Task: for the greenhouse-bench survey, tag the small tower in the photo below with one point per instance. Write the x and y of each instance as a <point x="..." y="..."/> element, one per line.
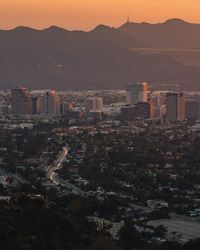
<point x="128" y="18"/>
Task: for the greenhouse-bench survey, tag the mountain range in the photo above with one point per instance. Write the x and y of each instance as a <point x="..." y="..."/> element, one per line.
<point x="105" y="57"/>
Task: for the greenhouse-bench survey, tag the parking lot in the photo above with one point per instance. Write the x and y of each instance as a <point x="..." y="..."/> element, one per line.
<point x="179" y="229"/>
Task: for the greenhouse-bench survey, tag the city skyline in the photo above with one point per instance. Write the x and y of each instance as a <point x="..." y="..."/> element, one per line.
<point x="78" y="15"/>
<point x="99" y="125"/>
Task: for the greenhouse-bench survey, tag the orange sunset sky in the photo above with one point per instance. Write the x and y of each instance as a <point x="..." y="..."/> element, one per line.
<point x="86" y="14"/>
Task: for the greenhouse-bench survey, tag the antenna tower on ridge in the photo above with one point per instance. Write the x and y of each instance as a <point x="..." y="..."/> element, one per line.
<point x="128" y="18"/>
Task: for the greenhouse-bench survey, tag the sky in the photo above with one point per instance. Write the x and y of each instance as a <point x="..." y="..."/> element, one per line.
<point x="86" y="14"/>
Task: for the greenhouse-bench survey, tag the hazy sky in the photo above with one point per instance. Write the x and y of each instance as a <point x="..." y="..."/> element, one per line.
<point x="85" y="14"/>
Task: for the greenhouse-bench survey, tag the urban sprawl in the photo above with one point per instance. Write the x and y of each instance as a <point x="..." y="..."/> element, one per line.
<point x="129" y="157"/>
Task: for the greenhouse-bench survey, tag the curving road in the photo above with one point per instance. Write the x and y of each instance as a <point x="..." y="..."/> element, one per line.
<point x="55" y="178"/>
<point x="50" y="170"/>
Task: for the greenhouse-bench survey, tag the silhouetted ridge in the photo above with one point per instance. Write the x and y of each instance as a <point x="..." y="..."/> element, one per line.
<point x="23" y="29"/>
<point x="103" y="28"/>
<point x="55" y="28"/>
<point x="105" y="57"/>
<point x="176" y="21"/>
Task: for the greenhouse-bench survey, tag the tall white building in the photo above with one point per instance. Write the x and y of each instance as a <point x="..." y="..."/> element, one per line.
<point x="93" y="104"/>
<point x="136" y="92"/>
<point x="20" y="101"/>
<point x="50" y="103"/>
<point x="98" y="104"/>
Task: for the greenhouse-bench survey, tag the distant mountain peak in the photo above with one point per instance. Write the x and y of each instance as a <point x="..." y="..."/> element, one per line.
<point x="175" y="21"/>
<point x="55" y="28"/>
<point x="102" y="27"/>
<point x="23" y="28"/>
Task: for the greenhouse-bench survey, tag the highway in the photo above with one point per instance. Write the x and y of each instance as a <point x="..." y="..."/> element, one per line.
<point x="50" y="170"/>
<point x="55" y="178"/>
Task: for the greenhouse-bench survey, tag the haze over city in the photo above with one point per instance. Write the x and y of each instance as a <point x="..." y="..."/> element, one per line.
<point x="99" y="125"/>
<point x="78" y="14"/>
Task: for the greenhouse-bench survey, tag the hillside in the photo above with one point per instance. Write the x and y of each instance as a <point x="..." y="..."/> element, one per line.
<point x="102" y="58"/>
<point x="174" y="33"/>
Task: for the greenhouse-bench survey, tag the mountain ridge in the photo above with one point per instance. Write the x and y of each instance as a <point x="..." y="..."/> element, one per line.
<point x="100" y="58"/>
<point x="171" y="20"/>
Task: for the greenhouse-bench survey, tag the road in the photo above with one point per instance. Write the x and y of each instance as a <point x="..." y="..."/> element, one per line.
<point x="55" y="178"/>
<point x="50" y="170"/>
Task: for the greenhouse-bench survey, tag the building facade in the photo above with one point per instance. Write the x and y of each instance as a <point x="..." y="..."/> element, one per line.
<point x="35" y="105"/>
<point x="136" y="92"/>
<point x="93" y="104"/>
<point x="20" y="101"/>
<point x="50" y="103"/>
<point x="193" y="109"/>
<point x="141" y="110"/>
<point x="175" y="107"/>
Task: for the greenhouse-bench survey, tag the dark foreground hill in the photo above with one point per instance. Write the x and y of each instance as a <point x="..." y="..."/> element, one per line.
<point x="32" y="225"/>
<point x="101" y="58"/>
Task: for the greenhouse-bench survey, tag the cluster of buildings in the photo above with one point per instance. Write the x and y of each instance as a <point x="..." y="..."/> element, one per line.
<point x="23" y="103"/>
<point x="50" y="103"/>
<point x="94" y="107"/>
<point x="174" y="106"/>
<point x="140" y="104"/>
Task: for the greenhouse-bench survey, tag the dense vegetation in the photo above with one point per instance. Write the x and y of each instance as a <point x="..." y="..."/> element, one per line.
<point x="32" y="224"/>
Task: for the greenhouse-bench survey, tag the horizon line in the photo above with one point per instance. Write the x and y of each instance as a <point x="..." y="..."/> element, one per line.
<point x="89" y="30"/>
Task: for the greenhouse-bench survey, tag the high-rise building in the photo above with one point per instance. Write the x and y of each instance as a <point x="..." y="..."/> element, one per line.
<point x="144" y="110"/>
<point x="141" y="110"/>
<point x="50" y="103"/>
<point x="157" y="99"/>
<point x="181" y="107"/>
<point x="98" y="104"/>
<point x="160" y="100"/>
<point x="160" y="111"/>
<point x="172" y="106"/>
<point x="89" y="105"/>
<point x="157" y="102"/>
<point x="175" y="109"/>
<point x="93" y="104"/>
<point x="128" y="113"/>
<point x="192" y="109"/>
<point x="35" y="105"/>
<point x="136" y="92"/>
<point x="20" y="101"/>
<point x="65" y="107"/>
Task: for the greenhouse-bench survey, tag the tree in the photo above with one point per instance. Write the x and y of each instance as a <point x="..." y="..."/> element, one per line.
<point x="129" y="238"/>
<point x="192" y="245"/>
<point x="160" y="231"/>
